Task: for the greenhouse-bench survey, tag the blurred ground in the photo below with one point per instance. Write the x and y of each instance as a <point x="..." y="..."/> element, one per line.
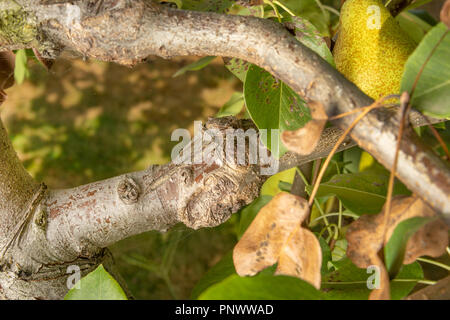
<point x="85" y="121"/>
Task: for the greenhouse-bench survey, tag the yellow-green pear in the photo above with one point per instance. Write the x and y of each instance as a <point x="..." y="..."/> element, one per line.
<point x="371" y="48"/>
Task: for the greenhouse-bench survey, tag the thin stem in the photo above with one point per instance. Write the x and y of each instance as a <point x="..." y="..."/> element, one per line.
<point x="436" y="263"/>
<point x="345" y="114"/>
<point x="338" y="143"/>
<point x="440" y="140"/>
<point x="340" y="215"/>
<point x="305" y="181"/>
<point x="320" y="5"/>
<point x="284" y="7"/>
<point x="274" y="7"/>
<point x="331" y="9"/>
<point x="404" y="107"/>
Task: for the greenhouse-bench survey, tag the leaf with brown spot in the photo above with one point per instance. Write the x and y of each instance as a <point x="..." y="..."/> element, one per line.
<point x="366" y="237"/>
<point x="275" y="235"/>
<point x="301" y="257"/>
<point x="304" y="140"/>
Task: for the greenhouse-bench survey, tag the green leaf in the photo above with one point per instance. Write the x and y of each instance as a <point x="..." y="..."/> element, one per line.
<point x="311" y="11"/>
<point x="414" y="26"/>
<point x="417" y="4"/>
<point x="273" y="105"/>
<point x="432" y="93"/>
<point x="262" y="287"/>
<point x="233" y="106"/>
<point x="307" y="34"/>
<point x="406" y="280"/>
<point x="394" y="251"/>
<point x="220" y="271"/>
<point x="272" y="185"/>
<point x="270" y="102"/>
<point x="361" y="193"/>
<point x="249" y="213"/>
<point x="238" y="67"/>
<point x="219" y="6"/>
<point x="97" y="285"/>
<point x="326" y="255"/>
<point x="348" y="282"/>
<point x="21" y="68"/>
<point x="339" y="251"/>
<point x="195" y="66"/>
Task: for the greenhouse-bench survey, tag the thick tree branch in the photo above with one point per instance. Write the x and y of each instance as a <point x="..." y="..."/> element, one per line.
<point x="85" y="219"/>
<point x="128" y="31"/>
<point x="16" y="188"/>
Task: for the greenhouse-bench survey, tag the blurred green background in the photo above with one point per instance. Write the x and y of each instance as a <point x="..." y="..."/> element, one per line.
<point x="83" y="121"/>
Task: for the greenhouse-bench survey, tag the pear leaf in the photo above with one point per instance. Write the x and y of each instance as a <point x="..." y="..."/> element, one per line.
<point x="21" y="68"/>
<point x="195" y="66"/>
<point x="216" y="274"/>
<point x="97" y="285"/>
<point x="262" y="287"/>
<point x="432" y="92"/>
<point x="233" y="106"/>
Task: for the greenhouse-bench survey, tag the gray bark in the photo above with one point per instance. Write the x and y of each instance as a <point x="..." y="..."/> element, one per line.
<point x="43" y="231"/>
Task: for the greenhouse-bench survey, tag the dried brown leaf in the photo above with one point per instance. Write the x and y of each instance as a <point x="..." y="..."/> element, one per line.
<point x="7" y="59"/>
<point x="276" y="235"/>
<point x="366" y="238"/>
<point x="445" y="13"/>
<point x="304" y="140"/>
<point x="301" y="257"/>
<point x="261" y="244"/>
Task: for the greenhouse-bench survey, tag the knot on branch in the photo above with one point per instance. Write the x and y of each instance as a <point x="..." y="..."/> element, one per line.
<point x="128" y="190"/>
<point x="224" y="192"/>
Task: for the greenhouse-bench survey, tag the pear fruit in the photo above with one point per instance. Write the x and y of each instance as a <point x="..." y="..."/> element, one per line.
<point x="371" y="48"/>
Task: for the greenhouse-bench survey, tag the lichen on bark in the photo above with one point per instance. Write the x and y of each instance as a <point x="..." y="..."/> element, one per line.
<point x="16" y="25"/>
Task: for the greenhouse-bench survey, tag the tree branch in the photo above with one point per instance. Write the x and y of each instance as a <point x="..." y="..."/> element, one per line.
<point x="127" y="32"/>
<point x="438" y="291"/>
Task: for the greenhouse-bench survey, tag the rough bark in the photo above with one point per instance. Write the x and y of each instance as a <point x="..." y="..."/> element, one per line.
<point x="43" y="231"/>
<point x="438" y="291"/>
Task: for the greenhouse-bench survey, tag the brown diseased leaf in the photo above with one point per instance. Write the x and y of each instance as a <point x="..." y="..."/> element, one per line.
<point x="7" y="59"/>
<point x="445" y="13"/>
<point x="304" y="140"/>
<point x="365" y="237"/>
<point x="301" y="257"/>
<point x="276" y="235"/>
<point x="261" y="244"/>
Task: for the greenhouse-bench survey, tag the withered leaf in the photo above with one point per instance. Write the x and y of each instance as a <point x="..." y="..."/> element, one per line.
<point x="304" y="140"/>
<point x="301" y="257"/>
<point x="276" y="235"/>
<point x="7" y="59"/>
<point x="366" y="238"/>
